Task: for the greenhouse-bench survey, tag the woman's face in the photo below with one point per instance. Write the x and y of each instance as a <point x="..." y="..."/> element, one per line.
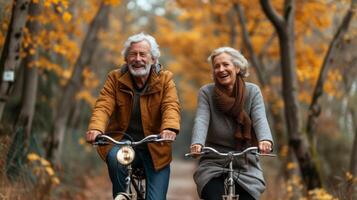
<point x="224" y="70"/>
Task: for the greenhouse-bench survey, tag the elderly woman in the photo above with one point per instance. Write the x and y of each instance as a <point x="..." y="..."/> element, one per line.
<point x="230" y="117"/>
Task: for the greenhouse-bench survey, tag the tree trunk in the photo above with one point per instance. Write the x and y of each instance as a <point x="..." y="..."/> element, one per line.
<point x="10" y="58"/>
<point x="23" y="124"/>
<point x="315" y="107"/>
<point x="257" y="64"/>
<point x="31" y="77"/>
<point x="232" y="27"/>
<point x="285" y="30"/>
<point x="53" y="151"/>
<point x="353" y="162"/>
<point x="75" y="119"/>
<point x="29" y="100"/>
<point x="264" y="80"/>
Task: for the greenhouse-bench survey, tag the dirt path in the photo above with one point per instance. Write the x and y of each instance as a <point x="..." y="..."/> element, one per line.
<point x="181" y="185"/>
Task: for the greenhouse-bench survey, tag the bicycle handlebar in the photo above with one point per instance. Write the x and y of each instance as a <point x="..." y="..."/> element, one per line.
<point x="206" y="150"/>
<point x="105" y="139"/>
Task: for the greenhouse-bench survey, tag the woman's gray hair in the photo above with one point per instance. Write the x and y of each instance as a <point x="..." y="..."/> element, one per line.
<point x="155" y="52"/>
<point x="238" y="59"/>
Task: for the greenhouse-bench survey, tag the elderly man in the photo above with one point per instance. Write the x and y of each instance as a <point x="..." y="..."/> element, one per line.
<point x="139" y="99"/>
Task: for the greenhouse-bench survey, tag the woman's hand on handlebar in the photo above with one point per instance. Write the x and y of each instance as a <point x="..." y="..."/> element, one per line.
<point x="265" y="147"/>
<point x="91" y="135"/>
<point x="195" y="150"/>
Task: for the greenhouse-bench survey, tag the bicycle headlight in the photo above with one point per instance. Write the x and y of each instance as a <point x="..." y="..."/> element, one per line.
<point x="125" y="155"/>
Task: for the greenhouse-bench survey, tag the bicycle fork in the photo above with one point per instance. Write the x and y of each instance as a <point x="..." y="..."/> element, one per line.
<point x="127" y="195"/>
<point x="230" y="189"/>
<point x="128" y="179"/>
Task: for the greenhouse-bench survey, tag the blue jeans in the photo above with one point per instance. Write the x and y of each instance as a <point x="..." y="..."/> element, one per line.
<point x="157" y="182"/>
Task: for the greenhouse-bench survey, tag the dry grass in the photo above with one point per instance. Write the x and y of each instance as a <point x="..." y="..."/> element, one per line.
<point x="21" y="188"/>
<point x="9" y="190"/>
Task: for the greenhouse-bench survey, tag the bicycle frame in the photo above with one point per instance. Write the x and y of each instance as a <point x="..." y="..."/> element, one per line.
<point x="229" y="183"/>
<point x="137" y="181"/>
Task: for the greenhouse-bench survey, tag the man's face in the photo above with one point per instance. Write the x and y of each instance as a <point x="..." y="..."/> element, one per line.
<point x="139" y="58"/>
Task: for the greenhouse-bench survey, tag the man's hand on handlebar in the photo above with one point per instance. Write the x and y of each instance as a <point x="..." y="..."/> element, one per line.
<point x="168" y="135"/>
<point x="91" y="135"/>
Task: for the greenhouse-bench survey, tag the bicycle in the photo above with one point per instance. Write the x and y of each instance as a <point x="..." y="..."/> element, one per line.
<point x="229" y="183"/>
<point x="135" y="180"/>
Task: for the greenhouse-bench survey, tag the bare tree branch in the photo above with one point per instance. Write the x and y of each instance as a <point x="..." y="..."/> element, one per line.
<point x="271" y="13"/>
<point x="285" y="30"/>
<point x="75" y="83"/>
<point x="248" y="44"/>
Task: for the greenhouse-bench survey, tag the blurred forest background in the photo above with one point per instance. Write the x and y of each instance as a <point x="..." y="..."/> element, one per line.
<point x="55" y="55"/>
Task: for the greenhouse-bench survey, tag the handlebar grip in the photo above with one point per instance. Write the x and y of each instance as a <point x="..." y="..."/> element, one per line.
<point x="100" y="141"/>
<point x="192" y="155"/>
<point x="188" y="155"/>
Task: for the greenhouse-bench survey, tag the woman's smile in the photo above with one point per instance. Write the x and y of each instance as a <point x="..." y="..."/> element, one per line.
<point x="224" y="70"/>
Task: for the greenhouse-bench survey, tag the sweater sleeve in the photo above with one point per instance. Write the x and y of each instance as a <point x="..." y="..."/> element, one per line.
<point x="258" y="115"/>
<point x="202" y="119"/>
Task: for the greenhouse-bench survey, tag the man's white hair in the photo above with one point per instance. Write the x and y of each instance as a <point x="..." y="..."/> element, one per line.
<point x="155" y="52"/>
<point x="238" y="59"/>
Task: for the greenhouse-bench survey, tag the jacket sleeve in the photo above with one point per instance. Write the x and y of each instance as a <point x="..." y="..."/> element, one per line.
<point x="258" y="115"/>
<point x="104" y="105"/>
<point x="170" y="106"/>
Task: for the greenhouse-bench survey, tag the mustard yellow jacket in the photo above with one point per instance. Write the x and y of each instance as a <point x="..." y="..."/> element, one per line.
<point x="159" y="106"/>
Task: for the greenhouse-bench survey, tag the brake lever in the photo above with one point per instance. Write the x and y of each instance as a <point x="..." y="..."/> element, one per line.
<point x="100" y="143"/>
<point x="163" y="140"/>
<point x="263" y="154"/>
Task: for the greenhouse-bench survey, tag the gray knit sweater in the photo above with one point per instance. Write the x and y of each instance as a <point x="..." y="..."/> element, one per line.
<point x="213" y="128"/>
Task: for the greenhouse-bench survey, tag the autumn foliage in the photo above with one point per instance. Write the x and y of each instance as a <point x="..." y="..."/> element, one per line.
<point x="187" y="32"/>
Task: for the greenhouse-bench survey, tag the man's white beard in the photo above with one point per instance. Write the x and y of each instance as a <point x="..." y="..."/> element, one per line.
<point x="139" y="72"/>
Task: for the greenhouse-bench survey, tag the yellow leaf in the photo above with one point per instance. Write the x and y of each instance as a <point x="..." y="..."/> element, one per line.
<point x="291" y="165"/>
<point x="44" y="162"/>
<point x="49" y="171"/>
<point x="284" y="151"/>
<point x="55" y="180"/>
<point x="349" y="176"/>
<point x="33" y="156"/>
<point x="67" y="17"/>
<point x="65" y="3"/>
<point x="81" y="141"/>
<point x="67" y="74"/>
<point x="47" y="4"/>
<point x="32" y="51"/>
<point x="59" y="9"/>
<point x="112" y="2"/>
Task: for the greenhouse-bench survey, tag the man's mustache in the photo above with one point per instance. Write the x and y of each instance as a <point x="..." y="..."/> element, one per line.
<point x="138" y="64"/>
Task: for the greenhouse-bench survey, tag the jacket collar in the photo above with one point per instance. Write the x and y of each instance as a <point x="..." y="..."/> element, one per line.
<point x="153" y="80"/>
